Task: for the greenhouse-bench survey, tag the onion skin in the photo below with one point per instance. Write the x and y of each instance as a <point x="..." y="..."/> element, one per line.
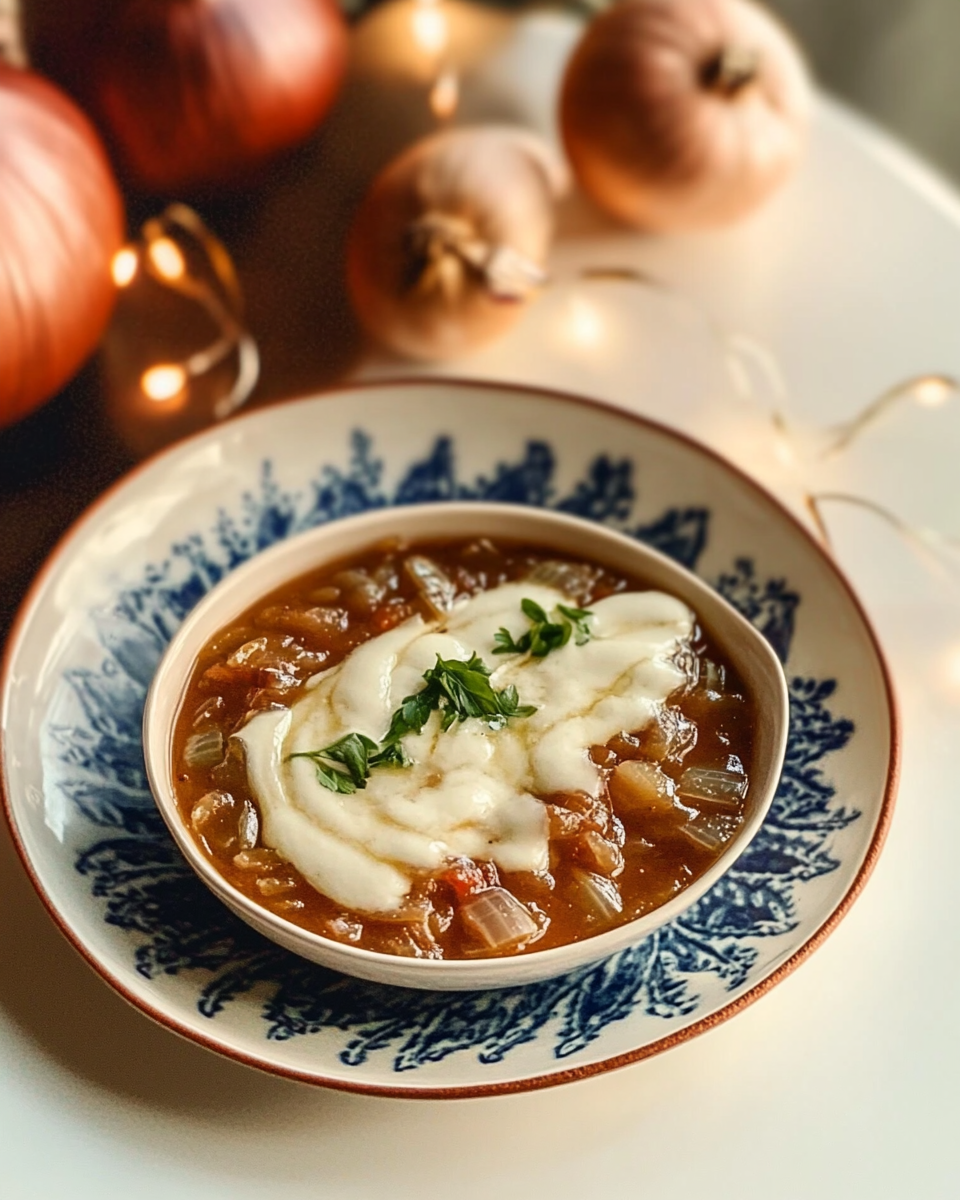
<point x="501" y="184"/>
<point x="197" y="93"/>
<point x="657" y="137"/>
<point x="61" y="222"/>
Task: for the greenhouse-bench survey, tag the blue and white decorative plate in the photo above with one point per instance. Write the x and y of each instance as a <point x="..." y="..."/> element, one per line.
<point x="96" y="622"/>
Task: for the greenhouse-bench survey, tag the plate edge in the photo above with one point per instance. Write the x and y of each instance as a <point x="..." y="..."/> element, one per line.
<point x="537" y="1082"/>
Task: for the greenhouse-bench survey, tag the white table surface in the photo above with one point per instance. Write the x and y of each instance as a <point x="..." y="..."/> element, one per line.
<point x="838" y="1084"/>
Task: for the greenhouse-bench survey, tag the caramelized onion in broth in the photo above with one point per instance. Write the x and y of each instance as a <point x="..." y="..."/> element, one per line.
<point x="672" y="794"/>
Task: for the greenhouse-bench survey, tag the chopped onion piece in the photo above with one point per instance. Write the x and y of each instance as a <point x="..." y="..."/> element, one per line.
<point x="351" y="578"/>
<point x="385" y="576"/>
<point x="409" y="942"/>
<point x="226" y="823"/>
<point x="603" y="756"/>
<point x="598" y="853"/>
<point x="703" y="836"/>
<point x="361" y="593"/>
<point x="255" y="650"/>
<point x="435" y="587"/>
<point x="390" y="614"/>
<point x="408" y="914"/>
<point x="344" y="929"/>
<point x="248" y="826"/>
<point x="595" y="810"/>
<point x="561" y="823"/>
<point x="272" y="660"/>
<point x="260" y="700"/>
<point x="481" y="546"/>
<point x="257" y="860"/>
<point x="273" y="885"/>
<point x="318" y="621"/>
<point x="713" y="677"/>
<point x="498" y="918"/>
<point x="709" y="832"/>
<point x="204" y="749"/>
<point x="599" y="897"/>
<point x="723" y="789"/>
<point x="208" y="711"/>
<point x="573" y="579"/>
<point x="638" y="787"/>
<point x="668" y="735"/>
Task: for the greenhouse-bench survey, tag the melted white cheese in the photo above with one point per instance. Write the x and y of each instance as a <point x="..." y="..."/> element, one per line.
<point x="471" y="791"/>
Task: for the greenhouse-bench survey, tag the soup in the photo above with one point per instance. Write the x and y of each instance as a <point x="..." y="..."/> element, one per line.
<point x="461" y="749"/>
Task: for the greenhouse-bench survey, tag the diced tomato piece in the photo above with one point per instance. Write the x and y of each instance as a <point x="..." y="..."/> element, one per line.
<point x="467" y="877"/>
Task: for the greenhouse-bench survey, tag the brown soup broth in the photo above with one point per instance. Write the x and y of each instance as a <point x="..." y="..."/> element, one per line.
<point x="263" y="660"/>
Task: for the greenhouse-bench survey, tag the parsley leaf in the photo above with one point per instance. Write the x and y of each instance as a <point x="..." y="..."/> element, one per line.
<point x="463" y="690"/>
<point x="344" y="765"/>
<point x="544" y="635"/>
<point x="510" y="705"/>
<point x="456" y="689"/>
<point x="334" y="780"/>
<point x="578" y="618"/>
<point x="503" y="642"/>
<point x="533" y="610"/>
<point x="410" y="717"/>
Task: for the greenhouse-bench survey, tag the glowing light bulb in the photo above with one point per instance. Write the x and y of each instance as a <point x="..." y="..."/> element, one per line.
<point x="124" y="266"/>
<point x="933" y="391"/>
<point x="584" y="324"/>
<point x="445" y="95"/>
<point x="429" y="24"/>
<point x="784" y="450"/>
<point x="163" y="382"/>
<point x="167" y="259"/>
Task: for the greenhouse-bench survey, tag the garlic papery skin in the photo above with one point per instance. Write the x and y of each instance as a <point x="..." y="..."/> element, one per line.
<point x="684" y="114"/>
<point x="452" y="240"/>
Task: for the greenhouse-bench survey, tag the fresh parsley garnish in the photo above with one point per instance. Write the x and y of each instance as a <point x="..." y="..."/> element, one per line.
<point x="544" y="635"/>
<point x="578" y="619"/>
<point x="463" y="689"/>
<point x="457" y="690"/>
<point x="345" y="764"/>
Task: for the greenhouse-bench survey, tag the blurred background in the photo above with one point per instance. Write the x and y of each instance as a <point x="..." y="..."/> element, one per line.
<point x="895" y="60"/>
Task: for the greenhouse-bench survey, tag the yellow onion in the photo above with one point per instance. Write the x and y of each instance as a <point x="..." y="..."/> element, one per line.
<point x="452" y="240"/>
<point x="61" y="222"/>
<point x="683" y="114"/>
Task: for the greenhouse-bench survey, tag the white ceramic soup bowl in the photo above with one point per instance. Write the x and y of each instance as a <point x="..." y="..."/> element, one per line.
<point x="746" y="649"/>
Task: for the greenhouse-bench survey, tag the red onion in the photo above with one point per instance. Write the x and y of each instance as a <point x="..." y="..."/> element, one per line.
<point x="195" y="93"/>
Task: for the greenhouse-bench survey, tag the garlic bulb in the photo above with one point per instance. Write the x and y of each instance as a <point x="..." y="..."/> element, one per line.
<point x="452" y="239"/>
<point x="681" y="114"/>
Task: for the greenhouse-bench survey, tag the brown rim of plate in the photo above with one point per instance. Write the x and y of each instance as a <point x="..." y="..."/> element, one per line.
<point x="535" y="1082"/>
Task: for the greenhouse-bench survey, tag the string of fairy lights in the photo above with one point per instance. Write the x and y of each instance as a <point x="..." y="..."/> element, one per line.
<point x="168" y="245"/>
<point x="161" y="252"/>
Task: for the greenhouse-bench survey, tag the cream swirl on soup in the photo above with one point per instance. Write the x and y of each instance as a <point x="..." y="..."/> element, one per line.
<point x="470" y="791"/>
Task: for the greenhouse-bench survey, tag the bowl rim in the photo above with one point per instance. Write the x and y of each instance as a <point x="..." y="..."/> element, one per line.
<point x="74" y="532"/>
<point x="173" y="672"/>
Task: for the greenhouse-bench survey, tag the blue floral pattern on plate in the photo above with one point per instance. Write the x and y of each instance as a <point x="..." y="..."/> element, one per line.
<point x="177" y="926"/>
